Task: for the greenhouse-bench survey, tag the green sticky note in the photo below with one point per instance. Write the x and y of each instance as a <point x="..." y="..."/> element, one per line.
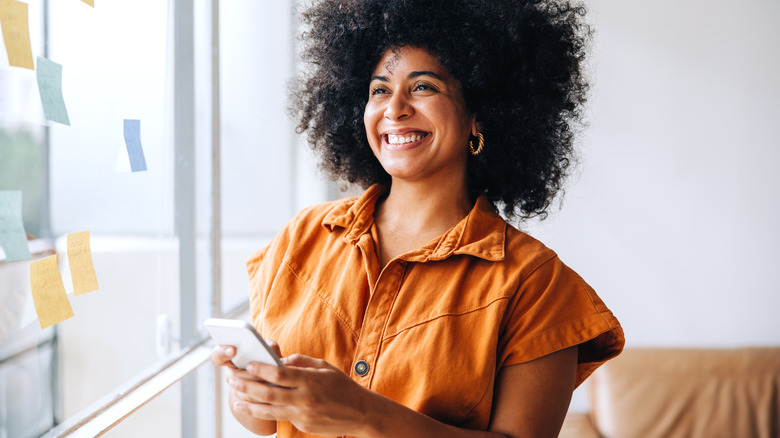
<point x="13" y="238"/>
<point x="50" y="86"/>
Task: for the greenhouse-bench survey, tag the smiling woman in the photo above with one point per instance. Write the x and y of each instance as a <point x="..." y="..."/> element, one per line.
<point x="416" y="119"/>
<point x="518" y="66"/>
<point x="416" y="309"/>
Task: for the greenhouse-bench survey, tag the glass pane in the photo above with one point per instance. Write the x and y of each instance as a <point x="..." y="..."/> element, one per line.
<point x="160" y="418"/>
<point x="113" y="71"/>
<point x="267" y="173"/>
<point x="117" y="65"/>
<point x="29" y="371"/>
<point x="28" y="355"/>
<point x="116" y="61"/>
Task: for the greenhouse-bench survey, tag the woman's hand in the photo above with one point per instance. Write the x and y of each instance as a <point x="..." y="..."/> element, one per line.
<point x="530" y="400"/>
<point x="221" y="355"/>
<point x="313" y="395"/>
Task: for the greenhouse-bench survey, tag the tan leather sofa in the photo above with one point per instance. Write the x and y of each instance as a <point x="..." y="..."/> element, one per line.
<point x="690" y="393"/>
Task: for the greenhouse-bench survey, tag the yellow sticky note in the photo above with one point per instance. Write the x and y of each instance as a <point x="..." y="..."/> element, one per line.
<point x="89" y="2"/>
<point x="16" y="33"/>
<point x="81" y="268"/>
<point x="49" y="296"/>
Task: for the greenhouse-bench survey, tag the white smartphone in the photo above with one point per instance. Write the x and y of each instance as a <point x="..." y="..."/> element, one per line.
<point x="250" y="346"/>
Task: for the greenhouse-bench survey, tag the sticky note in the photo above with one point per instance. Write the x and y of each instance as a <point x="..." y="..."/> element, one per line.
<point x="89" y="2"/>
<point x="16" y="33"/>
<point x="82" y="271"/>
<point x="48" y="292"/>
<point x="13" y="238"/>
<point x="133" y="142"/>
<point x="50" y="85"/>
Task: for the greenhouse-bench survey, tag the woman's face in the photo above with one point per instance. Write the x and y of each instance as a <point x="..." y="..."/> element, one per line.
<point x="416" y="118"/>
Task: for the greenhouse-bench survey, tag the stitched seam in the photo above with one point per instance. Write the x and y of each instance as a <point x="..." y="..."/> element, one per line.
<point x="484" y="391"/>
<point x="593" y="303"/>
<point x="322" y="299"/>
<point x="535" y="268"/>
<point x="480" y="255"/>
<point x="265" y="301"/>
<point x="444" y="315"/>
<point x="387" y="319"/>
<point x="520" y="281"/>
<point x="557" y="328"/>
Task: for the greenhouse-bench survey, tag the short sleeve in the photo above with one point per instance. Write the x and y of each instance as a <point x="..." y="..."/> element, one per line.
<point x="555" y="309"/>
<point x="262" y="268"/>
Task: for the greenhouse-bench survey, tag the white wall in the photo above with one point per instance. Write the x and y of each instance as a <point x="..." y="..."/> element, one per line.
<point x="673" y="217"/>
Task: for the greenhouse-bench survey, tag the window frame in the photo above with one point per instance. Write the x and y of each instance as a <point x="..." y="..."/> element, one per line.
<point x="111" y="410"/>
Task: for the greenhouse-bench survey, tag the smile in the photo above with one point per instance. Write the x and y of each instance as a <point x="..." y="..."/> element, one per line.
<point x="395" y="139"/>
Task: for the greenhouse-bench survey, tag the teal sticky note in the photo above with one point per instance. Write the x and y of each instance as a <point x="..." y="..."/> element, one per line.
<point x="49" y="75"/>
<point x="13" y="238"/>
<point x="133" y="142"/>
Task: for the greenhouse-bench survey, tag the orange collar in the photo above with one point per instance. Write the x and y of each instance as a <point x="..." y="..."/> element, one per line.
<point x="482" y="233"/>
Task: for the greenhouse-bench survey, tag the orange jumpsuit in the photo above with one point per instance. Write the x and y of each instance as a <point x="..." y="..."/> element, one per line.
<point x="434" y="327"/>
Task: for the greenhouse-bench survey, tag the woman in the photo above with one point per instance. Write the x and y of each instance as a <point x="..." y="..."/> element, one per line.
<point x="415" y="309"/>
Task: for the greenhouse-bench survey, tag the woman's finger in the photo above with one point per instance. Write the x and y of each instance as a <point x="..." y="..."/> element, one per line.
<point x="274" y="346"/>
<point x="301" y="361"/>
<point x="263" y="411"/>
<point x="241" y="374"/>
<point x="290" y="375"/>
<point x="261" y="392"/>
<point x="281" y="376"/>
<point x="221" y="355"/>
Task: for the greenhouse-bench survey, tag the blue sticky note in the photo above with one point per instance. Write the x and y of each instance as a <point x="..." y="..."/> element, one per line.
<point x="49" y="75"/>
<point x="133" y="142"/>
<point x="13" y="238"/>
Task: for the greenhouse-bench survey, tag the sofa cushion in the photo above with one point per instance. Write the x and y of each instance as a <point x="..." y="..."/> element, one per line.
<point x="688" y="393"/>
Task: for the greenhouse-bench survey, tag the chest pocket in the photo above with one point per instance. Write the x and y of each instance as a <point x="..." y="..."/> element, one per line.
<point x="438" y="355"/>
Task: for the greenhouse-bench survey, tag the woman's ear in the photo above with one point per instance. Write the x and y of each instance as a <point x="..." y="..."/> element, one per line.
<point x="475" y="128"/>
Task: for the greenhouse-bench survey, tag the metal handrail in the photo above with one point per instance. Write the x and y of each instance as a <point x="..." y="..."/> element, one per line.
<point x="106" y="413"/>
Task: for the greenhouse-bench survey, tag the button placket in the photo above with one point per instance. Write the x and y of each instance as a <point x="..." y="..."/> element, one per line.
<point x="375" y="320"/>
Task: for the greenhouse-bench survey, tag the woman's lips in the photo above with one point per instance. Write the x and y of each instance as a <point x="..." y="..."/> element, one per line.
<point x="406" y="140"/>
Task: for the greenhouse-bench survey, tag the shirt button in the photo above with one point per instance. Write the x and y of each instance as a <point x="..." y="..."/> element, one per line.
<point x="361" y="368"/>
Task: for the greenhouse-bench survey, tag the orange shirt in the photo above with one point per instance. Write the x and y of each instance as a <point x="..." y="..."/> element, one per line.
<point x="433" y="328"/>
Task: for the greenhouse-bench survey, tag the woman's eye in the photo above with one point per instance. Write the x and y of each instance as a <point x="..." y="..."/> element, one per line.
<point x="377" y="90"/>
<point x="424" y="87"/>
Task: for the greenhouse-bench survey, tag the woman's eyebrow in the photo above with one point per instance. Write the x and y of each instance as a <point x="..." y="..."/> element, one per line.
<point x="412" y="75"/>
<point x="416" y="74"/>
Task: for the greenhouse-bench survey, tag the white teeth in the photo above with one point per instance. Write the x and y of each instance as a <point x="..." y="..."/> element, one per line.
<point x="397" y="139"/>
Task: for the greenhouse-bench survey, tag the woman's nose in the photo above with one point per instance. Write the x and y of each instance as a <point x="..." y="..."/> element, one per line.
<point x="398" y="107"/>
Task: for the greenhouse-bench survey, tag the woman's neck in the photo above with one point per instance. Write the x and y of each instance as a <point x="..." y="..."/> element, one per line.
<point x="420" y="213"/>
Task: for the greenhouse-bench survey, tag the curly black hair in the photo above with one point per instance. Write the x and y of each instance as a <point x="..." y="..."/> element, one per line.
<point x="518" y="63"/>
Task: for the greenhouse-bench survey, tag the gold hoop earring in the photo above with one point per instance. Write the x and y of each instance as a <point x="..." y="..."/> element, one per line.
<point x="479" y="146"/>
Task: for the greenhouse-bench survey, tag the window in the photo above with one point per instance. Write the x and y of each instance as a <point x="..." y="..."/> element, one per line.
<point x="224" y="172"/>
